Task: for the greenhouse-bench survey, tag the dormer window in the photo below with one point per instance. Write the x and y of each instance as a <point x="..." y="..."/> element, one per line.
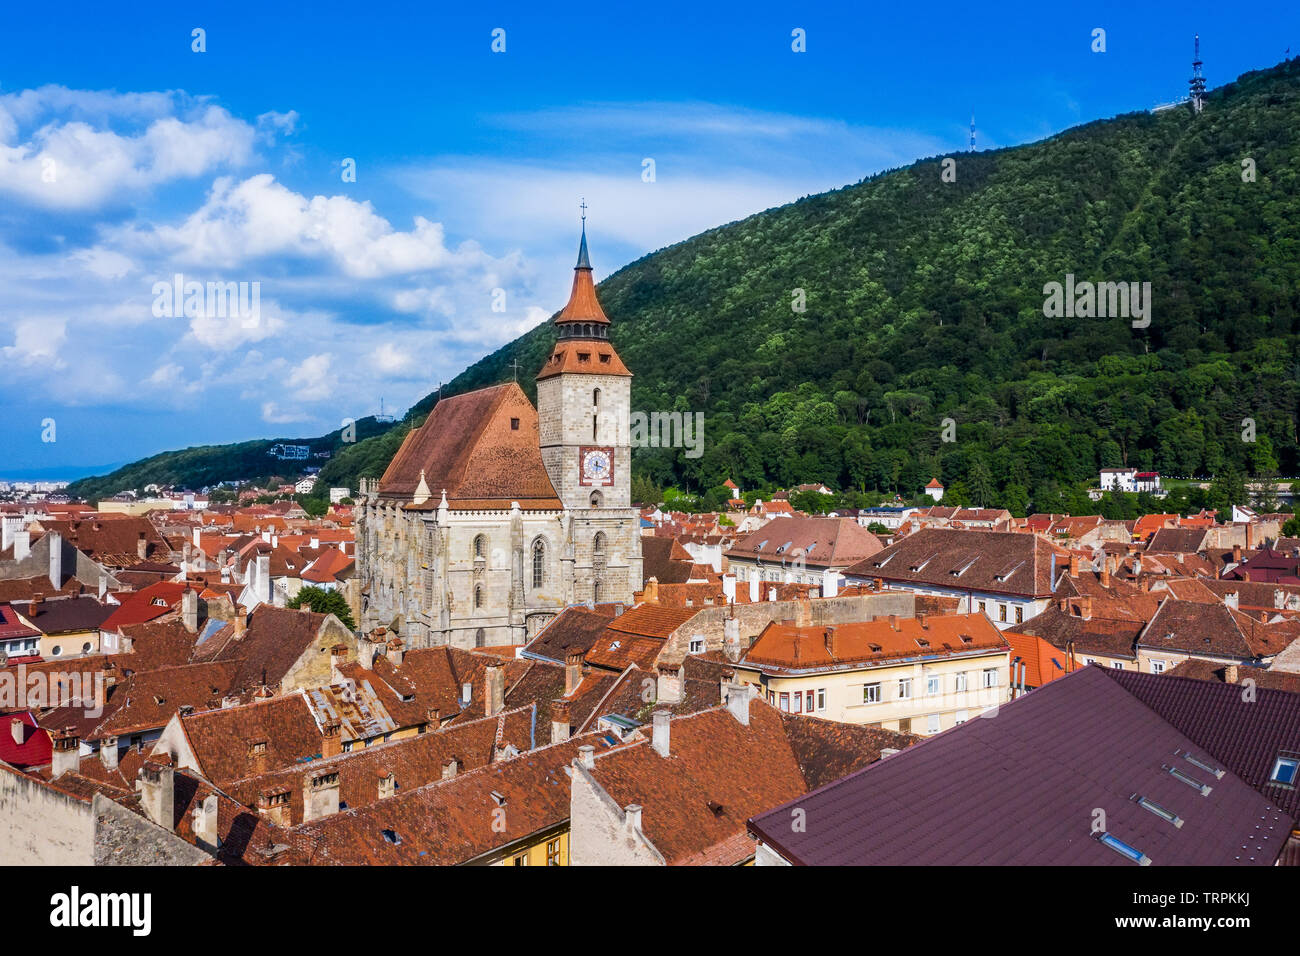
<point x="584" y="356"/>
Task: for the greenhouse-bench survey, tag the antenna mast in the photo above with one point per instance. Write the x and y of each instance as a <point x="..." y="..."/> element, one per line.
<point x="1197" y="82"/>
<point x="972" y="132"/>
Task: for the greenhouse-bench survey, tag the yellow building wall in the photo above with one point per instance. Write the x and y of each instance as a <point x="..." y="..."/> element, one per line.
<point x="553" y="847"/>
<point x="844" y="697"/>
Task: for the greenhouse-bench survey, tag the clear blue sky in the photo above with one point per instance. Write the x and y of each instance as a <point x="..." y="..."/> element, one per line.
<point x="225" y="166"/>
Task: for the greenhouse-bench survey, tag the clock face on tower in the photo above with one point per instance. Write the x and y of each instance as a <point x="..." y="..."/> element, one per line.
<point x="595" y="466"/>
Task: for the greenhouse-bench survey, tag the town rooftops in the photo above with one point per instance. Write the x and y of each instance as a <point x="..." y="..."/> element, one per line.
<point x="816" y="542"/>
<point x="1033" y="776"/>
<point x="785" y="648"/>
<point x="995" y="562"/>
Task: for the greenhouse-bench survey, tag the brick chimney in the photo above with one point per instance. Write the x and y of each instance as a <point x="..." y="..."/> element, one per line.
<point x="494" y="689"/>
<point x="1236" y="554"/>
<point x="560" y="727"/>
<point x="1085" y="607"/>
<point x="273" y="806"/>
<point x="108" y="752"/>
<point x="190" y="610"/>
<point x="241" y="621"/>
<point x="320" y="795"/>
<point x="156" y="783"/>
<point x="661" y="732"/>
<point x="205" y="823"/>
<point x="66" y="756"/>
<point x="572" y="673"/>
<point x="669" y="685"/>
<point x="651" y="593"/>
<point x="738" y="696"/>
<point x="56" y="559"/>
<point x="1105" y="572"/>
<point x="331" y="744"/>
<point x="142" y="546"/>
<point x="803" y="611"/>
<point x="1074" y="565"/>
<point x="396" y="651"/>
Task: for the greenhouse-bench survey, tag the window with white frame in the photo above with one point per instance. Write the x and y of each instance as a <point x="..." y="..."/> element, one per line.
<point x="905" y="688"/>
<point x="870" y="693"/>
<point x="963" y="682"/>
<point x="1157" y="667"/>
<point x="932" y="686"/>
<point x="821" y="698"/>
<point x="990" y="677"/>
<point x="697" y="645"/>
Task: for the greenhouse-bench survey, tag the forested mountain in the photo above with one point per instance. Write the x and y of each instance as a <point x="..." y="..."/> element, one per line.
<point x="925" y="302"/>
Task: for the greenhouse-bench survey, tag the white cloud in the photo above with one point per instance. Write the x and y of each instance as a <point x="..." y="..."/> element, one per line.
<point x="312" y="379"/>
<point x="37" y="341"/>
<point x="74" y="150"/>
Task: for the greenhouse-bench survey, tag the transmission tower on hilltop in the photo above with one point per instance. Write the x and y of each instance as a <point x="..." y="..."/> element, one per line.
<point x="972" y="132"/>
<point x="1197" y="83"/>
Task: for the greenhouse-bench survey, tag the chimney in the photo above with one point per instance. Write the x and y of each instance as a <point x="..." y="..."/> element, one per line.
<point x="754" y="589"/>
<point x="803" y="611"/>
<point x="331" y="744"/>
<point x="338" y="657"/>
<point x="387" y="786"/>
<point x="771" y="594"/>
<point x="241" y="621"/>
<point x="22" y="541"/>
<point x="273" y="806"/>
<point x="433" y="717"/>
<point x="16" y="730"/>
<point x="156" y="784"/>
<point x="320" y="795"/>
<point x="587" y="756"/>
<point x="829" y="636"/>
<point x="1230" y="674"/>
<point x="108" y="752"/>
<point x="660" y="732"/>
<point x="205" y="823"/>
<point x="731" y="639"/>
<point x="187" y="558"/>
<point x="1236" y="554"/>
<point x="466" y="693"/>
<point x="264" y="592"/>
<point x="314" y="544"/>
<point x="190" y="610"/>
<point x="729" y="588"/>
<point x="1085" y="607"/>
<point x="651" y="593"/>
<point x="1232" y="599"/>
<point x="632" y="816"/>
<point x="396" y="651"/>
<point x="669" y="689"/>
<point x="34" y="605"/>
<point x="56" y="559"/>
<point x="572" y="673"/>
<point x="494" y="689"/>
<point x="450" y="768"/>
<point x="1074" y="565"/>
<point x="103" y="586"/>
<point x="66" y="757"/>
<point x="194" y="539"/>
<point x="893" y="622"/>
<point x="1105" y="572"/>
<point x="738" y="702"/>
<point x="142" y="546"/>
<point x="559" y="721"/>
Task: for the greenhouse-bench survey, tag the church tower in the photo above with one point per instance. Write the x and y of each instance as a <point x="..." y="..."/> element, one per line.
<point x="584" y="396"/>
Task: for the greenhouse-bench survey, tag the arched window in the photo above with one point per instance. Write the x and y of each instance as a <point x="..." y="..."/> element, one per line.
<point x="480" y="546"/>
<point x="480" y="638"/>
<point x="595" y="592"/>
<point x="539" y="563"/>
<point x="598" y="545"/>
<point x="597" y="499"/>
<point x="595" y="398"/>
<point x="478" y="597"/>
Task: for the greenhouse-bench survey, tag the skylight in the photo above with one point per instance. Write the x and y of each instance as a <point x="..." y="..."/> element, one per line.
<point x="1122" y="848"/>
<point x="1205" y="788"/>
<point x="1218" y="774"/>
<point x="390" y="836"/>
<point x="1161" y="812"/>
<point x="1286" y="770"/>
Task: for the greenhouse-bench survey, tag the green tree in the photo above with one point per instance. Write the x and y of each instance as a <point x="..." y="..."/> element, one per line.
<point x="324" y="602"/>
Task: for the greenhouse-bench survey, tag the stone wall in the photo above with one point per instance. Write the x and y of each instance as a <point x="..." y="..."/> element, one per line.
<point x="40" y="826"/>
<point x="599" y="831"/>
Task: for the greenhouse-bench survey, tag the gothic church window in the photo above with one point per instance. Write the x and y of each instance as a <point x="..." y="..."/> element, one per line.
<point x="539" y="563"/>
<point x="597" y="499"/>
<point x="598" y="545"/>
<point x="480" y="546"/>
<point x="478" y="597"/>
<point x="480" y="638"/>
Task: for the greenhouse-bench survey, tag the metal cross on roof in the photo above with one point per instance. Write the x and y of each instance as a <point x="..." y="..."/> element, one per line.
<point x="515" y="365"/>
<point x="582" y="204"/>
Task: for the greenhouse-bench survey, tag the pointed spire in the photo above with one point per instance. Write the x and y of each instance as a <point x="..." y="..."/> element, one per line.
<point x="583" y="261"/>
